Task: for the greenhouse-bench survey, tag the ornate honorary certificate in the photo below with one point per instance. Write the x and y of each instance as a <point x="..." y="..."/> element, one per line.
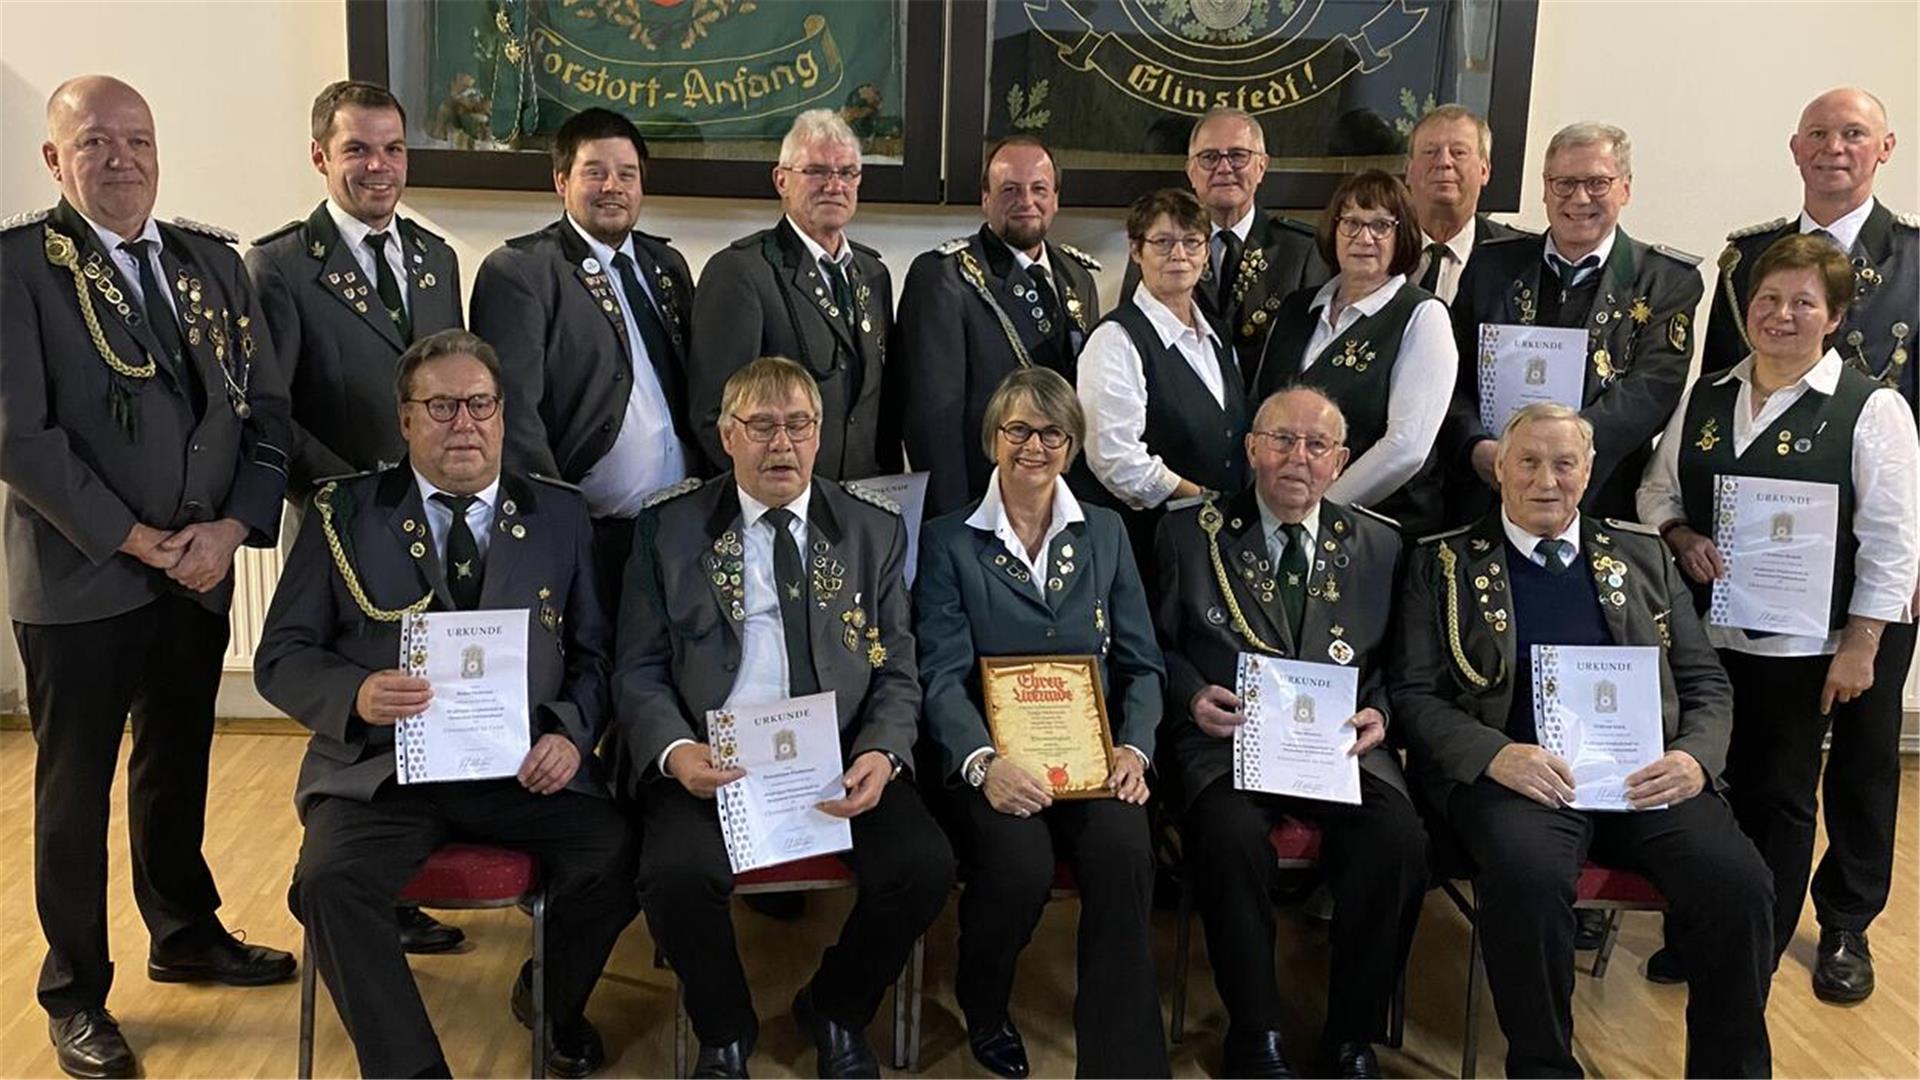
<point x="791" y="752"/>
<point x="1048" y="714"/>
<point x="1597" y="707"/>
<point x="1522" y="365"/>
<point x="1777" y="539"/>
<point x="477" y="726"/>
<point x="1296" y="736"/>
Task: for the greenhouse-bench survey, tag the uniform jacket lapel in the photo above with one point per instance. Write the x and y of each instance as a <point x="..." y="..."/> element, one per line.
<point x="1069" y="561"/>
<point x="599" y="284"/>
<point x="834" y="589"/>
<point x="433" y="296"/>
<point x="812" y="289"/>
<point x="340" y="275"/>
<point x="1610" y="575"/>
<point x="1009" y="572"/>
<point x="1486" y="604"/>
<point x="407" y="522"/>
<point x="1327" y="587"/>
<point x="102" y="274"/>
<point x="514" y="507"/>
<point x="1012" y="289"/>
<point x="207" y="332"/>
<point x="1252" y="574"/>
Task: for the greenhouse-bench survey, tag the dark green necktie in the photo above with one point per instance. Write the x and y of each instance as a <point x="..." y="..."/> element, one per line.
<point x="653" y="333"/>
<point x="166" y="327"/>
<point x="842" y="294"/>
<point x="790" y="581"/>
<point x="1436" y="255"/>
<point x="1230" y="255"/>
<point x="1293" y="577"/>
<point x="463" y="555"/>
<point x="1555" y="552"/>
<point x="388" y="288"/>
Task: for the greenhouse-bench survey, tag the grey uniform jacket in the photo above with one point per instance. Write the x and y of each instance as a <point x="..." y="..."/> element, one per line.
<point x="1350" y="594"/>
<point x="320" y="644"/>
<point x="766" y="296"/>
<point x="1453" y="700"/>
<point x="334" y="344"/>
<point x="972" y="599"/>
<point x="1877" y="335"/>
<point x="563" y="344"/>
<point x="681" y="622"/>
<point x="966" y="308"/>
<point x="86" y="452"/>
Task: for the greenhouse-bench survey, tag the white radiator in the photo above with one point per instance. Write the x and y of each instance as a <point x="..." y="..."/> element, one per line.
<point x="256" y="571"/>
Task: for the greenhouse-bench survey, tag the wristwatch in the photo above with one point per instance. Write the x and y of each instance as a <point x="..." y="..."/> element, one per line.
<point x="975" y="772"/>
<point x="898" y="765"/>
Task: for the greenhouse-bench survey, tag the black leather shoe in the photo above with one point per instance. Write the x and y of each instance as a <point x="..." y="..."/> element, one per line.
<point x="1000" y="1050"/>
<point x="721" y="1062"/>
<point x="572" y="1051"/>
<point x="228" y="960"/>
<point x="1256" y="1054"/>
<point x="1664" y="967"/>
<point x="422" y="933"/>
<point x="89" y="1045"/>
<point x="1844" y="973"/>
<point x="1589" y="928"/>
<point x="838" y="1051"/>
<point x="1355" y="1061"/>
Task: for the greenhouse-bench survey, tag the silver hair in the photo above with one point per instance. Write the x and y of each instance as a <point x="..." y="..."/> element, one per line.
<point x="1228" y="112"/>
<point x="815" y="126"/>
<point x="1449" y="113"/>
<point x="1541" y="412"/>
<point x="1594" y="133"/>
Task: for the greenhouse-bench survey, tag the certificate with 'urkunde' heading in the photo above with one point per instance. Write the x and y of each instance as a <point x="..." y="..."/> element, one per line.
<point x="1524" y="365"/>
<point x="1597" y="707"/>
<point x="1777" y="539"/>
<point x="477" y="727"/>
<point x="790" y="750"/>
<point x="1294" y="739"/>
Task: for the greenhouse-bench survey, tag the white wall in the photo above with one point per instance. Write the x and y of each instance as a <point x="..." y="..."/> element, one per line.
<point x="1709" y="92"/>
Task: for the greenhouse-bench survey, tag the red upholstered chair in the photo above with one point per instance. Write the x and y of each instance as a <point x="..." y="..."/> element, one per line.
<point x="462" y="876"/>
<point x="802" y="875"/>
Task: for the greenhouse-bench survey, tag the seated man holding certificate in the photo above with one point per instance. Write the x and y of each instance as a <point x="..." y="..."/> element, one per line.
<point x="1027" y="606"/>
<point x="496" y="570"/>
<point x="758" y="587"/>
<point x="1535" y="774"/>
<point x="1785" y="485"/>
<point x="1276" y="572"/>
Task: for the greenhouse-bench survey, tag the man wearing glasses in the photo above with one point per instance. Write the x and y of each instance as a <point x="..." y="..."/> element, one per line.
<point x="1254" y="259"/>
<point x="804" y="290"/>
<point x="1636" y="301"/>
<point x="446" y="531"/>
<point x="765" y="584"/>
<point x="1318" y="592"/>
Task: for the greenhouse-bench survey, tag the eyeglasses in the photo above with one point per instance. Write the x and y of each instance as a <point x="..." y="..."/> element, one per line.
<point x="444" y="409"/>
<point x="761" y="429"/>
<point x="1237" y="158"/>
<point x="820" y="174"/>
<point x="1378" y="228"/>
<point x="1164" y="245"/>
<point x="1283" y="443"/>
<point x="1053" y="437"/>
<point x="1597" y="186"/>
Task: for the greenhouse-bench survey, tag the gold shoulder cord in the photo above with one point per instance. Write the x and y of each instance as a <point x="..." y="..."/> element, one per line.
<point x="976" y="277"/>
<point x="1210" y="524"/>
<point x="323" y="502"/>
<point x="1448" y="560"/>
<point x="61" y="252"/>
<point x="1728" y="260"/>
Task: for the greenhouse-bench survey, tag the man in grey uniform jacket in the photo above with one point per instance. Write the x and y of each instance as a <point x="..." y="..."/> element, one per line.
<point x="142" y="436"/>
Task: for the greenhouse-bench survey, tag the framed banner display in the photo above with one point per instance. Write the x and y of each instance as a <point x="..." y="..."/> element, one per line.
<point x="1114" y="86"/>
<point x="712" y="84"/>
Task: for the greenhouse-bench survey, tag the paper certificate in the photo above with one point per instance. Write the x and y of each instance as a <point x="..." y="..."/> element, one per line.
<point x="1521" y="365"/>
<point x="1296" y="736"/>
<point x="477" y="726"/>
<point x="1777" y="538"/>
<point x="791" y="752"/>
<point x="1597" y="707"/>
<point x="909" y="492"/>
<point x="1048" y="715"/>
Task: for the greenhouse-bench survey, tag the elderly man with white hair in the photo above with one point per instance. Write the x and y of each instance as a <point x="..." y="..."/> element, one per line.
<point x="804" y="290"/>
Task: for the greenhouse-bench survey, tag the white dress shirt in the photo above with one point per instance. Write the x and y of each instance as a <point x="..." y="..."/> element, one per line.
<point x="1113" y="391"/>
<point x="440" y="517"/>
<point x="1027" y="262"/>
<point x="128" y="266"/>
<point x="840" y="258"/>
<point x="1418" y="390"/>
<point x="646" y="455"/>
<point x="1845" y="229"/>
<point x="1886" y="497"/>
<point x="1529" y="543"/>
<point x="991" y="517"/>
<point x="1453" y="262"/>
<point x="354" y="233"/>
<point x="1603" y="251"/>
<point x="1271" y="528"/>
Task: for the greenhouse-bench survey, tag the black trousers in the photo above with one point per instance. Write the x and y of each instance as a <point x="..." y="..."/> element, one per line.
<point x="162" y="663"/>
<point x="902" y="866"/>
<point x="357" y="856"/>
<point x="1375" y="859"/>
<point x="1720" y="900"/>
<point x="1010" y="870"/>
<point x="1773" y="775"/>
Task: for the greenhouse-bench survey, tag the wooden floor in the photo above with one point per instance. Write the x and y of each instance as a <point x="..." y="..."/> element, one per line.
<point x="1625" y="1025"/>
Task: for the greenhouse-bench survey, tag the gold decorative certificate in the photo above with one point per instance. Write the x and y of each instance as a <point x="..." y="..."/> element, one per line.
<point x="1049" y="714"/>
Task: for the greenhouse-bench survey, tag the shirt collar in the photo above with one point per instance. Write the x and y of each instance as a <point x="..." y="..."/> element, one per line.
<point x="1526" y="541"/>
<point x="485" y="495"/>
<point x="1242" y="228"/>
<point x="112" y="240"/>
<point x="1845" y="229"/>
<point x="353" y="231"/>
<point x="752" y="509"/>
<point x="1369" y="304"/>
<point x="1025" y="261"/>
<point x="991" y="514"/>
<point x="1823" y="377"/>
<point x="819" y="253"/>
<point x="1269" y="521"/>
<point x="1462" y="243"/>
<point x="601" y="251"/>
<point x="1166" y="323"/>
<point x="1604" y="250"/>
